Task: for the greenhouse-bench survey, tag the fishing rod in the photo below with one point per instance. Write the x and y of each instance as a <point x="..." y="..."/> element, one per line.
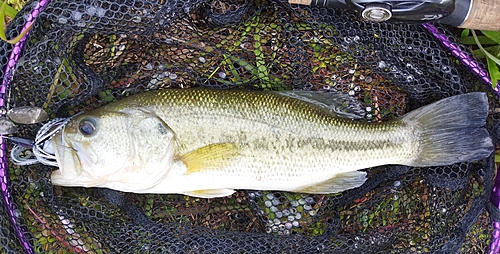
<point x="482" y="14"/>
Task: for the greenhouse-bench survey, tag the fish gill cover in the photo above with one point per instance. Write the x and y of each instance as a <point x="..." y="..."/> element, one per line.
<point x="80" y="55"/>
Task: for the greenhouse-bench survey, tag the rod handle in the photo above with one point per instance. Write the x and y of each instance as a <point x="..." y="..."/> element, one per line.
<point x="483" y="15"/>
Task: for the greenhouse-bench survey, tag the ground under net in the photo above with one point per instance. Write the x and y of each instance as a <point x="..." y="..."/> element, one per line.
<point x="80" y="55"/>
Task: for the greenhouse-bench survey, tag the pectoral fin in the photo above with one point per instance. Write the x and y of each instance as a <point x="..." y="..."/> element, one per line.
<point x="213" y="156"/>
<point x="214" y="193"/>
<point x="340" y="182"/>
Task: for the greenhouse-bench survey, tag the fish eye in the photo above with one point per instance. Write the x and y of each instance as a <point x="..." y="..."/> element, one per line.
<point x="87" y="126"/>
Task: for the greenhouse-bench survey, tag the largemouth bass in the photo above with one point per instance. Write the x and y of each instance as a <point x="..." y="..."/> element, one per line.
<point x="207" y="143"/>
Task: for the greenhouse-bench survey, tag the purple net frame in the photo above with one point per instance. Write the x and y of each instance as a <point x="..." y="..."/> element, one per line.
<point x="13" y="213"/>
<point x="4" y="170"/>
<point x="477" y="69"/>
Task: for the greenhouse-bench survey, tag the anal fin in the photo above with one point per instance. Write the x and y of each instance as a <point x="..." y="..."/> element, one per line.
<point x="212" y="193"/>
<point x="338" y="183"/>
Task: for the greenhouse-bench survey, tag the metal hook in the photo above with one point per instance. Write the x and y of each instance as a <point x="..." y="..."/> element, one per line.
<point x="42" y="148"/>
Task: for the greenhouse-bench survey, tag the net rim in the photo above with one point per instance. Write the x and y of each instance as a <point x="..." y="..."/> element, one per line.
<point x="15" y="53"/>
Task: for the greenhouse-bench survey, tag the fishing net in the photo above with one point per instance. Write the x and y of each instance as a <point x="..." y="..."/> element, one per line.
<point x="83" y="54"/>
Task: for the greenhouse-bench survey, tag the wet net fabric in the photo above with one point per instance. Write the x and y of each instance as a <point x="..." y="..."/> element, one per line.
<point x="80" y="55"/>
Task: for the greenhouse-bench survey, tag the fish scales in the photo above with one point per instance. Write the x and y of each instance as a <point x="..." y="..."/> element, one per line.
<point x="223" y="140"/>
<point x="273" y="124"/>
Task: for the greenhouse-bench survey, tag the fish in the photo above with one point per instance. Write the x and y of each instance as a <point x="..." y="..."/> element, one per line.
<point x="208" y="143"/>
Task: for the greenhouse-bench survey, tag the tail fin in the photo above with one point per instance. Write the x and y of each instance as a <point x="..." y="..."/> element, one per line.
<point x="452" y="130"/>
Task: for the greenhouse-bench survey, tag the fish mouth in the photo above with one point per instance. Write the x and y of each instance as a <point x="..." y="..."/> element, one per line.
<point x="43" y="148"/>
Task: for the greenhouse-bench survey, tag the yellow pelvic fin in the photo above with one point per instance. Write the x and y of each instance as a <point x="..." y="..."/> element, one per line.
<point x="340" y="182"/>
<point x="213" y="156"/>
<point x="213" y="193"/>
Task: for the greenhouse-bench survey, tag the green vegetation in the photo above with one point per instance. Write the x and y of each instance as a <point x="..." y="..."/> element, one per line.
<point x="488" y="47"/>
<point x="10" y="12"/>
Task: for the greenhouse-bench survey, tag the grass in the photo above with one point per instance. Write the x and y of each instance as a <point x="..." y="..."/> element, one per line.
<point x="10" y="12"/>
<point x="488" y="43"/>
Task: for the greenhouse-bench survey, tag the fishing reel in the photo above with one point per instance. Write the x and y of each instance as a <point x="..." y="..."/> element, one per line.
<point x="400" y="10"/>
<point x="396" y="10"/>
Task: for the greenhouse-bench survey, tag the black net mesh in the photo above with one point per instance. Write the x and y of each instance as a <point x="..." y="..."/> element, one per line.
<point x="80" y="55"/>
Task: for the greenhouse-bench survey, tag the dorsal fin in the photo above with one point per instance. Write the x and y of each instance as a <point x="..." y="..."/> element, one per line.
<point x="341" y="105"/>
